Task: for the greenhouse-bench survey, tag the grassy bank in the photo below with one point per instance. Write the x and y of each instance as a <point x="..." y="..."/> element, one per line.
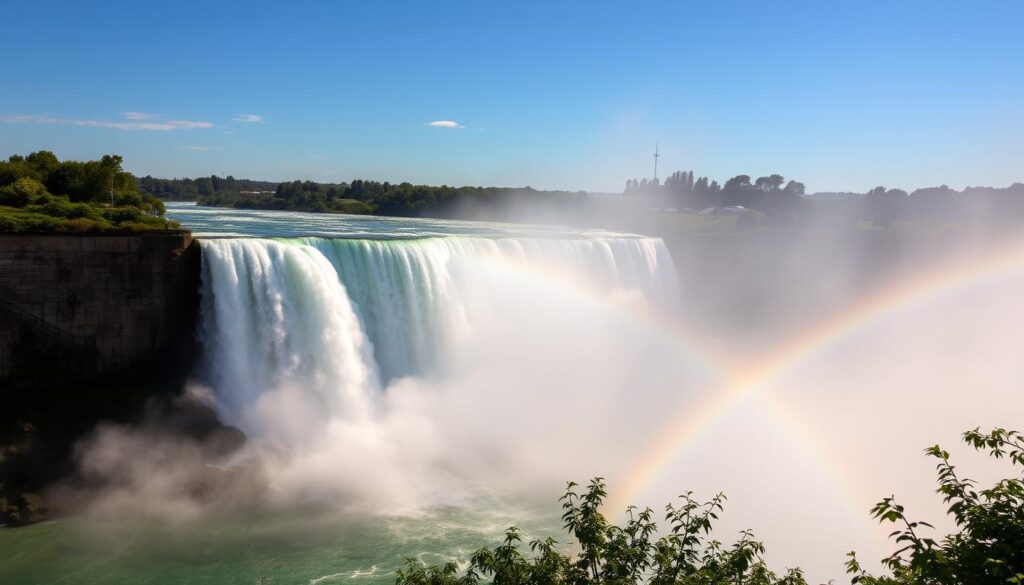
<point x="39" y="194"/>
<point x="63" y="216"/>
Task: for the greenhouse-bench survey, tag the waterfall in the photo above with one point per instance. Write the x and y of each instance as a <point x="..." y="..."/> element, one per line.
<point x="276" y="314"/>
<point x="338" y="319"/>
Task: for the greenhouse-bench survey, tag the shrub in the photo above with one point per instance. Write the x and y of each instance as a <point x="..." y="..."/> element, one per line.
<point x="83" y="224"/>
<point x="20" y="221"/>
<point x="352" y="206"/>
<point x="56" y="207"/>
<point x="616" y="555"/>
<point x="150" y="223"/>
<point x="22" y="192"/>
<point x="123" y="214"/>
<point x="989" y="547"/>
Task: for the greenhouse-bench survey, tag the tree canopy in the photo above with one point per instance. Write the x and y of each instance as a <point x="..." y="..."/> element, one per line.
<point x="39" y="192"/>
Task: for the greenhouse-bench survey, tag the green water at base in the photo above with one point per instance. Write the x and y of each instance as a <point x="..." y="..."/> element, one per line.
<point x="277" y="549"/>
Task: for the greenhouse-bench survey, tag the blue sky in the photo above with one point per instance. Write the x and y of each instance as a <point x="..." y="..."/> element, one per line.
<point x="841" y="95"/>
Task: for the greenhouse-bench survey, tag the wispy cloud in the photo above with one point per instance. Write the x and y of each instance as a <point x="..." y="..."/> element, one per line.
<point x="132" y="121"/>
<point x="250" y="118"/>
<point x="445" y="124"/>
<point x="199" y="148"/>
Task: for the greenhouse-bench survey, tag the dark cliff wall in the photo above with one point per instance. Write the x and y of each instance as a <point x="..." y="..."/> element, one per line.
<point x="94" y="329"/>
<point x="75" y="308"/>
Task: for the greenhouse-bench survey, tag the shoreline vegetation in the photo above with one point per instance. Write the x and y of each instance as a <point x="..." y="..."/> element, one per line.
<point x="41" y="194"/>
<point x="747" y="203"/>
<point x="987" y="547"/>
<point x="359" y="197"/>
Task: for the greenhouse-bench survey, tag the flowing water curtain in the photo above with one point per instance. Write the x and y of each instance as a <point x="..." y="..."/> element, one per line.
<point x="410" y="294"/>
<point x="406" y="295"/>
<point x="333" y="318"/>
<point x="277" y="316"/>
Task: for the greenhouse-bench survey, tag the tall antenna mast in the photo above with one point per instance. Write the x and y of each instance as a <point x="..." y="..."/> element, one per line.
<point x="656" y="155"/>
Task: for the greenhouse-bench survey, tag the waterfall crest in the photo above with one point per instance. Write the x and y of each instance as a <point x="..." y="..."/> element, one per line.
<point x="338" y="319"/>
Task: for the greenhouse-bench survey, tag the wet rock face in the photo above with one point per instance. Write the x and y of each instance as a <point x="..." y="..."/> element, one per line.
<point x="19" y="446"/>
<point x="75" y="307"/>
<point x="22" y="509"/>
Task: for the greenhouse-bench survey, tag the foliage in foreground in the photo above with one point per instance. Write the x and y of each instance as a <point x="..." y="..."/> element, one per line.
<point x="988" y="547"/>
<point x="39" y="193"/>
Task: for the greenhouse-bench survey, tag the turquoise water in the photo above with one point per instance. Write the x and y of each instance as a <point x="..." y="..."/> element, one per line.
<point x="226" y="222"/>
<point x="280" y="548"/>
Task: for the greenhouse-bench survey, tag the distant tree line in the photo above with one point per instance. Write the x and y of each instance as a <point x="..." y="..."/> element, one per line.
<point x="976" y="204"/>
<point x="193" y="189"/>
<point x="784" y="202"/>
<point x="39" y="192"/>
<point x="357" y="197"/>
<point x="291" y="196"/>
<point x="770" y="193"/>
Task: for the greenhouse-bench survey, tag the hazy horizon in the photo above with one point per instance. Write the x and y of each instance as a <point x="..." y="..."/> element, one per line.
<point x="810" y="192"/>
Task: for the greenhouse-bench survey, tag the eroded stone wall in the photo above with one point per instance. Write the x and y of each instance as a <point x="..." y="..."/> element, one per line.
<point x="81" y="306"/>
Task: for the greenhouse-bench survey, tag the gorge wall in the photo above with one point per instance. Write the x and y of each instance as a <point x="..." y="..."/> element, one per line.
<point x="76" y="307"/>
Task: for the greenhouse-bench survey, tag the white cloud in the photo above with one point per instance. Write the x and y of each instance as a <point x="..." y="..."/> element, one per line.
<point x="445" y="124"/>
<point x="132" y="121"/>
<point x="251" y="118"/>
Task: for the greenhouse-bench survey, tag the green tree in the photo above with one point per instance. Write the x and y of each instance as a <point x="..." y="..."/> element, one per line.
<point x="795" y="188"/>
<point x="883" y="207"/>
<point x="22" y="192"/>
<point x="988" y="547"/>
<point x="43" y="161"/>
<point x="771" y="184"/>
<point x="616" y="555"/>
<point x="739" y="191"/>
<point x="737" y="183"/>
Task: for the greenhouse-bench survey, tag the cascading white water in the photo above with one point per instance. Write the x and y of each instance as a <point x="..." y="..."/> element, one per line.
<point x="409" y="292"/>
<point x="332" y="318"/>
<point x="276" y="315"/>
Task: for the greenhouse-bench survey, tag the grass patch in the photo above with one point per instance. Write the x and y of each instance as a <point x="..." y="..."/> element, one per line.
<point x="78" y="218"/>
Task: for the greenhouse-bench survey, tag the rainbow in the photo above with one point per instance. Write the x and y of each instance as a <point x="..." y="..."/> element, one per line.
<point x="738" y="383"/>
<point x="817" y="339"/>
